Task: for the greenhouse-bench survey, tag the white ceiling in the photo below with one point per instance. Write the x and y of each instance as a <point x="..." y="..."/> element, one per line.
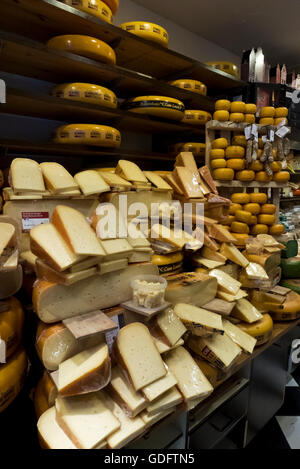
<point x="240" y="25"/>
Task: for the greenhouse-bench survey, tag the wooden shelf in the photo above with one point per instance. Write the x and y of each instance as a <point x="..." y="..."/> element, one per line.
<point x="43" y="19"/>
<point x="263" y="185"/>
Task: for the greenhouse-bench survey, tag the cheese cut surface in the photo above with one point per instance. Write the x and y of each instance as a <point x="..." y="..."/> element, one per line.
<point x="90" y="182"/>
<point x="86" y="372"/>
<point x="191" y="381"/>
<point x="198" y="319"/>
<point x="116" y="249"/>
<point x="151" y="419"/>
<point x="218" y="349"/>
<point x="85" y="419"/>
<point x="112" y="266"/>
<point x="212" y="255"/>
<point x="57" y="178"/>
<point x="136" y="353"/>
<point x="162" y="347"/>
<point x="131" y="401"/>
<point x="7" y="233"/>
<point x="177" y="238"/>
<point x="168" y="327"/>
<point x="207" y="262"/>
<point x="227" y="297"/>
<point x="187" y="182"/>
<point x="192" y="288"/>
<point x="157" y="181"/>
<point x="243" y="340"/>
<point x="130" y="171"/>
<point x="43" y="271"/>
<point x="26" y="176"/>
<point x="245" y="311"/>
<point x="159" y="387"/>
<point x="232" y="253"/>
<point x="168" y="400"/>
<point x="47" y="244"/>
<point x="256" y="272"/>
<point x="51" y="434"/>
<point x="225" y="282"/>
<point x="115" y="181"/>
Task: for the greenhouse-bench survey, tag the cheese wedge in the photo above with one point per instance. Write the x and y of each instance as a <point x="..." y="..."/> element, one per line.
<point x="219" y="306"/>
<point x="174" y="184"/>
<point x="191" y="287"/>
<point x="199" y="320"/>
<point x="86" y="372"/>
<point x="231" y="298"/>
<point x="151" y="419"/>
<point x="112" y="266"/>
<point x="176" y="238"/>
<point x="191" y="381"/>
<point x="167" y="326"/>
<point x="243" y="340"/>
<point x="169" y="399"/>
<point x="220" y="233"/>
<point x="114" y="181"/>
<point x="135" y="351"/>
<point x="159" y="387"/>
<point x="198" y="260"/>
<point x="57" y="178"/>
<point x="140" y="256"/>
<point x="116" y="249"/>
<point x="157" y="181"/>
<point x="26" y="176"/>
<point x="186" y="158"/>
<point x="225" y="282"/>
<point x="162" y="347"/>
<point x="91" y="182"/>
<point x="132" y="402"/>
<point x="130" y="171"/>
<point x="29" y="259"/>
<point x="245" y="311"/>
<point x="256" y="272"/>
<point x="75" y="230"/>
<point x="86" y="264"/>
<point x="7" y="236"/>
<point x="188" y="183"/>
<point x="231" y="252"/>
<point x="85" y="419"/>
<point x="51" y="434"/>
<point x="45" y="272"/>
<point x="213" y="255"/>
<point x="47" y="244"/>
<point x="9" y="259"/>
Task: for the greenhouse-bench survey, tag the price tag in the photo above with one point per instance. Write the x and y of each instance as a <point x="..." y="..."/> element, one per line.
<point x="254" y="132"/>
<point x="264" y="138"/>
<point x="272" y="134"/>
<point x="2" y="351"/>
<point x="110" y="336"/>
<point x="247" y="132"/>
<point x="282" y="131"/>
<point x="32" y="219"/>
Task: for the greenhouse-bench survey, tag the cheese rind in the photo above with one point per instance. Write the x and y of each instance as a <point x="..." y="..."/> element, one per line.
<point x="243" y="340"/>
<point x="130" y="171"/>
<point x="159" y="387"/>
<point x="199" y="320"/>
<point x="43" y="271"/>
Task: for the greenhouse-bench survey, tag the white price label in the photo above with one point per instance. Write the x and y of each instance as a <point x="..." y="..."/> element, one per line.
<point x="32" y="219"/>
<point x="272" y="134"/>
<point x="247" y="132"/>
<point x="254" y="131"/>
<point x="110" y="336"/>
<point x="264" y="138"/>
<point x="282" y="131"/>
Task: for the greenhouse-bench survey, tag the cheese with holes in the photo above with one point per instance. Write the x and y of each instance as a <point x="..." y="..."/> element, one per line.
<point x="245" y="311"/>
<point x="193" y="288"/>
<point x="225" y="282"/>
<point x="51" y="434"/>
<point x="131" y="401"/>
<point x="231" y="252"/>
<point x="167" y="326"/>
<point x="154" y="390"/>
<point x="169" y="399"/>
<point x="243" y="340"/>
<point x="26" y="176"/>
<point x="90" y="182"/>
<point x="199" y="320"/>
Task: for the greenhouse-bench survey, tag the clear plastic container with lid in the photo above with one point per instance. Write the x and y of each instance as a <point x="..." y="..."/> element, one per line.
<point x="148" y="290"/>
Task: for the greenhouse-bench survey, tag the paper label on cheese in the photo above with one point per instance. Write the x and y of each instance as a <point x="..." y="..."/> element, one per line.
<point x="2" y="351"/>
<point x="111" y="335"/>
<point x="32" y="219"/>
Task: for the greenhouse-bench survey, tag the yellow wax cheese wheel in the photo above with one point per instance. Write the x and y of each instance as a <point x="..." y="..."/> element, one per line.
<point x="190" y="85"/>
<point x="250" y="108"/>
<point x="227" y="67"/>
<point x="196" y="117"/>
<point x="12" y="376"/>
<point x="11" y="324"/>
<point x="217" y="153"/>
<point x="267" y="111"/>
<point x="274" y="151"/>
<point x="221" y="116"/>
<point x="233" y="208"/>
<point x="280" y="120"/>
<point x="222" y="105"/>
<point x="92" y="7"/>
<point x="239" y="140"/>
<point x="238" y="107"/>
<point x="281" y="176"/>
<point x="197" y="148"/>
<point x="168" y="263"/>
<point x="240" y="198"/>
<point x="277" y="229"/>
<point x="256" y="166"/>
<point x="89" y="134"/>
<point x="259" y="153"/>
<point x="223" y="174"/>
<point x="259" y="229"/>
<point x="240" y="238"/>
<point x="219" y="163"/>
<point x="249" y="118"/>
<point x="239" y="227"/>
<point x="261" y="330"/>
<point x="87" y="46"/>
<point x="281" y="112"/>
<point x="201" y="270"/>
<point x="86" y="92"/>
<point x="158" y="106"/>
<point x="269" y="209"/>
<point x="266" y="219"/>
<point x="252" y="207"/>
<point x="245" y="175"/>
<point x="253" y="220"/>
<point x="229" y="220"/>
<point x="243" y="216"/>
<point x="266" y="121"/>
<point x="236" y="117"/>
<point x="113" y="5"/>
<point x="227" y="227"/>
<point x="260" y="143"/>
<point x="258" y="198"/>
<point x="261" y="176"/>
<point x="149" y="31"/>
<point x="236" y="163"/>
<point x="220" y="143"/>
<point x="235" y="151"/>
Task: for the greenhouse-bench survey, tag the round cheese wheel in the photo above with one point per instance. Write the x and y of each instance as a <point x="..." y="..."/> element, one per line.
<point x="276" y="230"/>
<point x="245" y="175"/>
<point x="266" y="121"/>
<point x="266" y="219"/>
<point x="89" y="134"/>
<point x="227" y="67"/>
<point x="253" y="220"/>
<point x="236" y="163"/>
<point x="280" y="120"/>
<point x="197" y="148"/>
<point x="234" y="207"/>
<point x="236" y="117"/>
<point x="235" y="151"/>
<point x="261" y="330"/>
<point x="217" y="153"/>
<point x="238" y="107"/>
<point x="243" y="216"/>
<point x="258" y="197"/>
<point x="260" y="143"/>
<point x="222" y="105"/>
<point x="201" y="270"/>
<point x="12" y="376"/>
<point x="249" y="118"/>
<point x="113" y="5"/>
<point x="259" y="229"/>
<point x="218" y="163"/>
<point x="93" y="7"/>
<point x="281" y="176"/>
<point x="240" y="238"/>
<point x="149" y="31"/>
<point x="281" y="112"/>
<point x="268" y="209"/>
<point x="168" y="263"/>
<point x="256" y="166"/>
<point x="276" y="166"/>
<point x="44" y="394"/>
<point x="158" y="106"/>
<point x="190" y="85"/>
<point x="40" y="401"/>
<point x="196" y="117"/>
<point x="240" y="198"/>
<point x="259" y="153"/>
<point x="267" y="111"/>
<point x="261" y="176"/>
<point x="220" y="143"/>
<point x="274" y="151"/>
<point x="288" y="310"/>
<point x="11" y="324"/>
<point x="228" y="220"/>
<point x="223" y="174"/>
<point x="250" y="108"/>
<point x="239" y="227"/>
<point x="86" y="92"/>
<point x="87" y="46"/>
<point x="252" y="207"/>
<point x="239" y="140"/>
<point x="221" y="116"/>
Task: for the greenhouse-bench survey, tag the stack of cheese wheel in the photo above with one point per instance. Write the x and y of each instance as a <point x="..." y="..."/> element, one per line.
<point x="271" y="116"/>
<point x="190" y="85"/>
<point x="217" y="160"/>
<point x="228" y="162"/>
<point x="100" y="9"/>
<point x="158" y="106"/>
<point x="237" y="111"/>
<point x="149" y="31"/>
<point x="196" y="117"/>
<point x="281" y="114"/>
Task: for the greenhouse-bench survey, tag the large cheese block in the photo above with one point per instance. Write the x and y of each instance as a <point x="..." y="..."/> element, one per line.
<point x="198" y="320"/>
<point x="12" y="376"/>
<point x="86" y="372"/>
<point x="54" y="302"/>
<point x="245" y="311"/>
<point x="154" y="390"/>
<point x="191" y="381"/>
<point x="45" y="272"/>
<point x="11" y="325"/>
<point x="51" y="435"/>
<point x="26" y="176"/>
<point x="132" y="402"/>
<point x="168" y="327"/>
<point x="168" y="400"/>
<point x="136" y="353"/>
<point x="242" y="339"/>
<point x="260" y="330"/>
<point x="193" y="288"/>
<point x="86" y="419"/>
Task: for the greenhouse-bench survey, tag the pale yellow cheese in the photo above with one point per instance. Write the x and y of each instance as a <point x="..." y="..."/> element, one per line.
<point x="112" y="266"/>
<point x="151" y="419"/>
<point x="256" y="272"/>
<point x="157" y="181"/>
<point x="57" y="178"/>
<point x="130" y="171"/>
<point x="51" y="434"/>
<point x="225" y="282"/>
<point x="116" y="249"/>
<point x="162" y="347"/>
<point x="133" y="402"/>
<point x="232" y="253"/>
<point x="159" y="387"/>
<point x="26" y="176"/>
<point x="90" y="182"/>
<point x="7" y="234"/>
<point x="198" y="319"/>
<point x="245" y="341"/>
<point x="169" y="399"/>
<point x="169" y="326"/>
<point x="115" y="181"/>
<point x="227" y="297"/>
<point x="207" y="262"/>
<point x="245" y="311"/>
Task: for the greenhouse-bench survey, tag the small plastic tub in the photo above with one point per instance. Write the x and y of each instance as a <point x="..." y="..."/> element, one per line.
<point x="148" y="290"/>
